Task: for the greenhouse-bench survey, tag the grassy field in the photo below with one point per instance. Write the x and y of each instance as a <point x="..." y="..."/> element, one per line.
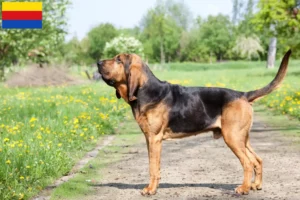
<point x="44" y="131"/>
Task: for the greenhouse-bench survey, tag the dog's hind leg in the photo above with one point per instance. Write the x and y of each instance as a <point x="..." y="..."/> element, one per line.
<point x="257" y="161"/>
<point x="236" y="121"/>
<point x="239" y="149"/>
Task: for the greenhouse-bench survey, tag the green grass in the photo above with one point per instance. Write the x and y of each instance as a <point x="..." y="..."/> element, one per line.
<point x="234" y="65"/>
<point x="43" y="131"/>
<point x="287" y="125"/>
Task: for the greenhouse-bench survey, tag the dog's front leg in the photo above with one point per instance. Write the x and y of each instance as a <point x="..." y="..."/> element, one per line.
<point x="154" y="151"/>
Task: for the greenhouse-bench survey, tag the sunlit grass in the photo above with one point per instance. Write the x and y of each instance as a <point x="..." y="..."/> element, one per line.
<point x="44" y="131"/>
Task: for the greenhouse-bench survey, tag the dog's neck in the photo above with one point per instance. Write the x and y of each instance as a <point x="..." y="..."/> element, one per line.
<point x="151" y="93"/>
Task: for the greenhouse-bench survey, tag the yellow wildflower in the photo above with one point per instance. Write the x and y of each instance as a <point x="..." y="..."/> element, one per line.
<point x="39" y="136"/>
<point x="33" y="119"/>
<point x="76" y="121"/>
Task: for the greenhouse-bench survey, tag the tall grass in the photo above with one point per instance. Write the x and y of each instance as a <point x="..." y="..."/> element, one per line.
<point x="44" y="131"/>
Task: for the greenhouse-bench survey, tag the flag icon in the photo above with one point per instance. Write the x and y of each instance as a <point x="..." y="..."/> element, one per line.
<point x="22" y="15"/>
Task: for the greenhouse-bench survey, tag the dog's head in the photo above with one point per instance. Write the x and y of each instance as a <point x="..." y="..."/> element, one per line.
<point x="125" y="73"/>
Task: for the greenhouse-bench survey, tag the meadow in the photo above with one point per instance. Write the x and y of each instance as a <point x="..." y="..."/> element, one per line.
<point x="44" y="131"/>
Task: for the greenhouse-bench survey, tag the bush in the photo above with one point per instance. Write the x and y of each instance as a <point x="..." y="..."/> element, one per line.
<point x="123" y="44"/>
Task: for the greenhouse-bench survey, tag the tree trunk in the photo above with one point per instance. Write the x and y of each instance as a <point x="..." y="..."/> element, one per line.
<point x="162" y="53"/>
<point x="219" y="57"/>
<point x="1" y="73"/>
<point x="272" y="53"/>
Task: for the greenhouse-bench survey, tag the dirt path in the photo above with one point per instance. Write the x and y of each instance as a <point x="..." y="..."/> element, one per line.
<point x="203" y="168"/>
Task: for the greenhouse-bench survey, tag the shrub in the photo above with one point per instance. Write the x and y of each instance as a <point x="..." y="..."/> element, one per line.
<point x="123" y="44"/>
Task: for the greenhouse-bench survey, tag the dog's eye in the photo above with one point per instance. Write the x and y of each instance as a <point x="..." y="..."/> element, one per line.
<point x="118" y="60"/>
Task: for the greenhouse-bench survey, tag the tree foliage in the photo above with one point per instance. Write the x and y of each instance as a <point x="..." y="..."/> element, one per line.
<point x="278" y="18"/>
<point x="248" y="47"/>
<point x="217" y="34"/>
<point x="123" y="44"/>
<point x="97" y="37"/>
<point x="16" y="43"/>
<point x="76" y="52"/>
<point x="162" y="27"/>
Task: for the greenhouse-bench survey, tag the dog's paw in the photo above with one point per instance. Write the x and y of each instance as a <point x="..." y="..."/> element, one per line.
<point x="256" y="186"/>
<point x="148" y="191"/>
<point x="242" y="190"/>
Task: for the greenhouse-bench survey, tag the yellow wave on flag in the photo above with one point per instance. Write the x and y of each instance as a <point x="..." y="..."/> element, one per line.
<point x="22" y="6"/>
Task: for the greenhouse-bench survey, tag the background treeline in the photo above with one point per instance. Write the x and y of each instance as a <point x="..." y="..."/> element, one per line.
<point x="167" y="32"/>
<point x="170" y="33"/>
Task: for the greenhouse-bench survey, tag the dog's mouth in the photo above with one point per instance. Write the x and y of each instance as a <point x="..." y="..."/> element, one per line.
<point x="103" y="72"/>
<point x="110" y="82"/>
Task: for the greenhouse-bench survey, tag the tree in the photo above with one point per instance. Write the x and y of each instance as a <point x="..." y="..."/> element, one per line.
<point x="154" y="28"/>
<point x="279" y="19"/>
<point x="97" y="37"/>
<point x="134" y="32"/>
<point x="15" y="44"/>
<point x="237" y="11"/>
<point x="248" y="47"/>
<point x="123" y="44"/>
<point x="217" y="34"/>
<point x="193" y="47"/>
<point x="162" y="27"/>
<point x="180" y="12"/>
<point x="245" y="26"/>
<point x="75" y="51"/>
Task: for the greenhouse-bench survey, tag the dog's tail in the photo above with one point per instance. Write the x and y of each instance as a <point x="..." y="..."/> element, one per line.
<point x="256" y="94"/>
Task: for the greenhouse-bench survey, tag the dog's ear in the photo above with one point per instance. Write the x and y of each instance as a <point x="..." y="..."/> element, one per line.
<point x="127" y="63"/>
<point x="133" y="82"/>
<point x="118" y="94"/>
<point x="132" y="66"/>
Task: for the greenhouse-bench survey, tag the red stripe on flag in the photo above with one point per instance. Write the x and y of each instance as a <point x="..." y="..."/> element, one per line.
<point x="22" y="15"/>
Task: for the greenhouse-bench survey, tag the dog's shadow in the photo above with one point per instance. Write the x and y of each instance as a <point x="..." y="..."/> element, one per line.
<point x="228" y="187"/>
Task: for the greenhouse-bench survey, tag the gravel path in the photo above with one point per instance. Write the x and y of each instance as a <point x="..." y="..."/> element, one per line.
<point x="201" y="167"/>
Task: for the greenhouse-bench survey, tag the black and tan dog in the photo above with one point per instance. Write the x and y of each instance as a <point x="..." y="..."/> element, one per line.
<point x="166" y="111"/>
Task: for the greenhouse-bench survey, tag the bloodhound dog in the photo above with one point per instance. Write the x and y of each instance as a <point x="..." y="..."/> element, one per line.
<point x="167" y="111"/>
